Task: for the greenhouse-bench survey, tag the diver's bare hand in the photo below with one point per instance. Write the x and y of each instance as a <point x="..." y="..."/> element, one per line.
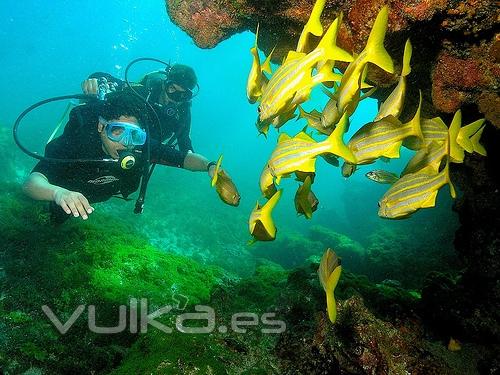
<point x="90" y="86"/>
<point x="73" y="202"/>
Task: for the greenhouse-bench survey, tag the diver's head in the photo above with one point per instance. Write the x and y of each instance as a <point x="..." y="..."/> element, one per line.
<point x="179" y="84"/>
<point x="119" y="134"/>
<point x="176" y="84"/>
<point x="119" y="124"/>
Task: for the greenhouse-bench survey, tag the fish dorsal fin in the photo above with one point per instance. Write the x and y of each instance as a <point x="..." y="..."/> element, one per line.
<point x="216" y="172"/>
<point x="315" y="113"/>
<point x="304" y="136"/>
<point x="393" y="151"/>
<point x="292" y="55"/>
<point x="283" y="137"/>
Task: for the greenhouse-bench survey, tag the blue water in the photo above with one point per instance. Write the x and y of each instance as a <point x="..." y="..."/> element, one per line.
<point x="48" y="48"/>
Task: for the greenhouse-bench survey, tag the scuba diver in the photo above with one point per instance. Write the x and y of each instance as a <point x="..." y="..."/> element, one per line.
<point x="107" y="147"/>
<point x="169" y="91"/>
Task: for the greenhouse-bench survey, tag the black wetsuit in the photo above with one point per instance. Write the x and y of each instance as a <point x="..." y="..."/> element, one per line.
<point x="175" y="119"/>
<point x="97" y="181"/>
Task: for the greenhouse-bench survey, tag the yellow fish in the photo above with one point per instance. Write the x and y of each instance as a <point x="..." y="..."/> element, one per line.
<point x="412" y="192"/>
<point x="256" y="78"/>
<point x="348" y="169"/>
<point x="393" y="105"/>
<point x="299" y="153"/>
<point x="225" y="187"/>
<point x="291" y="83"/>
<point x="314" y="120"/>
<point x="433" y="130"/>
<point x="260" y="223"/>
<point x="313" y="26"/>
<point x="266" y="183"/>
<point x="305" y="200"/>
<point x="427" y="159"/>
<point x="373" y="52"/>
<point x="383" y="138"/>
<point x="329" y="274"/>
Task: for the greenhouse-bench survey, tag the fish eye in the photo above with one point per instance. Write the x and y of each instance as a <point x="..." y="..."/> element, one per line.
<point x="378" y="204"/>
<point x="258" y="109"/>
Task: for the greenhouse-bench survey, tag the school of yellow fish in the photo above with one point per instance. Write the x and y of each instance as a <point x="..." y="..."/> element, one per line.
<point x="281" y="93"/>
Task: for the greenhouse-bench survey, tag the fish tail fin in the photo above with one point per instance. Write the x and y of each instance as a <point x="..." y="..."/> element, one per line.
<point x="302" y="113"/>
<point x="465" y="134"/>
<point x="377" y="54"/>
<point x="406" y="59"/>
<point x="336" y="141"/>
<point x="478" y="147"/>
<point x="446" y="171"/>
<point x="266" y="66"/>
<point x="313" y="25"/>
<point x="272" y="202"/>
<point x="456" y="152"/>
<point x="414" y="123"/>
<point x="216" y="172"/>
<point x="328" y="43"/>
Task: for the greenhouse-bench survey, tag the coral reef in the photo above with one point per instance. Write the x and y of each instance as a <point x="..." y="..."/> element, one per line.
<point x="455" y="42"/>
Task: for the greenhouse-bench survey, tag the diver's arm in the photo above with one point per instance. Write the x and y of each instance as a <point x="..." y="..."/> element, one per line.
<point x="197" y="163"/>
<point x="167" y="155"/>
<point x="38" y="187"/>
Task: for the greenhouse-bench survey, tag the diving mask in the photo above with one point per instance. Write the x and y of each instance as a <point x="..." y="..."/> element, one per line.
<point x="177" y="95"/>
<point x="126" y="133"/>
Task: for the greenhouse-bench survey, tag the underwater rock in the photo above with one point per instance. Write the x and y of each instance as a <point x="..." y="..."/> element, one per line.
<point x="454" y="42"/>
<point x="351" y="252"/>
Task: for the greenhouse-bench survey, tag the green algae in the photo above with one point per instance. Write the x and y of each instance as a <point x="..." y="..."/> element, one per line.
<point x="92" y="263"/>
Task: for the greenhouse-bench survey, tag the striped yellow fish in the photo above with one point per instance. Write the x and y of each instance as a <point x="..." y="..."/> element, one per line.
<point x="266" y="183"/>
<point x="291" y="83"/>
<point x="427" y="159"/>
<point x="299" y="153"/>
<point x="413" y="192"/>
<point x="383" y="138"/>
<point x="256" y="78"/>
<point x="433" y="130"/>
<point x="373" y="52"/>
<point x="260" y="223"/>
<point x="393" y="105"/>
<point x="329" y="274"/>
